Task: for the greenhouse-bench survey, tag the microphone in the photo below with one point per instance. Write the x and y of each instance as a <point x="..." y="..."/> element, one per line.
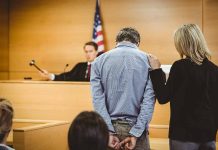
<point x="65" y="71"/>
<point x="65" y="67"/>
<point x="33" y="63"/>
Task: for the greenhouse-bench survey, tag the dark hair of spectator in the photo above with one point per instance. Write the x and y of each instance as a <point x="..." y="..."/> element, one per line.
<point x="88" y="131"/>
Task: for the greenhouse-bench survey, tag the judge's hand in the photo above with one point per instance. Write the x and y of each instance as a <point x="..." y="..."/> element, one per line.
<point x="45" y="74"/>
<point x="114" y="142"/>
<point x="154" y="62"/>
<point x="128" y="143"/>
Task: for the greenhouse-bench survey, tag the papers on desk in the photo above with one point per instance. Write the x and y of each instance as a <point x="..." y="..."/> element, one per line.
<point x="166" y="68"/>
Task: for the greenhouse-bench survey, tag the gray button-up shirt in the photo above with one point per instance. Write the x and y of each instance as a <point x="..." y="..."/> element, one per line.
<point x="121" y="87"/>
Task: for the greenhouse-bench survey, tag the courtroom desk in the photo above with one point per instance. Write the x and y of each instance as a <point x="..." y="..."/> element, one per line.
<point x="47" y="100"/>
<point x="63" y="101"/>
<point x="58" y="100"/>
<point x="28" y="134"/>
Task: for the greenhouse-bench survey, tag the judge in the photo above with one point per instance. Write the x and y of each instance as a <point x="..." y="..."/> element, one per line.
<point x="81" y="71"/>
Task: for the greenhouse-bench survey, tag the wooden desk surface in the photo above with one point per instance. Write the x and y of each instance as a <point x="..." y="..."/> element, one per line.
<point x="43" y="82"/>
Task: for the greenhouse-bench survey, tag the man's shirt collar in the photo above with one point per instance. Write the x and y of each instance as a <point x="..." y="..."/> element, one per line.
<point x="126" y="43"/>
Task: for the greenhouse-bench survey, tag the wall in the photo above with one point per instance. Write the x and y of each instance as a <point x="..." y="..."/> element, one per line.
<point x="155" y="20"/>
<point x="4" y="65"/>
<point x="210" y="24"/>
<point x="53" y="32"/>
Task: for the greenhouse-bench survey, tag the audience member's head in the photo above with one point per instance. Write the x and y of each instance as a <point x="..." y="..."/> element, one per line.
<point x="128" y="34"/>
<point x="189" y="41"/>
<point x="6" y="116"/>
<point x="91" y="51"/>
<point x="88" y="131"/>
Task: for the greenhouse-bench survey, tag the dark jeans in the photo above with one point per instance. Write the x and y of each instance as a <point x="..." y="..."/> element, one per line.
<point x="122" y="128"/>
<point x="180" y="145"/>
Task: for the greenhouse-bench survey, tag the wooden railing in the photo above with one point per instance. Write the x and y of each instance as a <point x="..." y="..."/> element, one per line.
<point x="30" y="134"/>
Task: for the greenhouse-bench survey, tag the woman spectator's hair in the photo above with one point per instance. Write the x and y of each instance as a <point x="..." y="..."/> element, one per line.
<point x="88" y="131"/>
<point x="6" y="116"/>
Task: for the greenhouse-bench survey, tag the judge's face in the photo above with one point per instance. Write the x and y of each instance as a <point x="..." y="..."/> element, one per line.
<point x="90" y="53"/>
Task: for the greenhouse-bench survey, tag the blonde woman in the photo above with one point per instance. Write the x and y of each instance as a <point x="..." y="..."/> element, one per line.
<point x="191" y="90"/>
<point x="6" y="116"/>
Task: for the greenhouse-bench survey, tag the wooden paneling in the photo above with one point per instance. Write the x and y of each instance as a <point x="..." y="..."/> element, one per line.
<point x="4" y="39"/>
<point x="47" y="100"/>
<point x="53" y="32"/>
<point x="39" y="135"/>
<point x="156" y="20"/>
<point x="158" y="131"/>
<point x="159" y="143"/>
<point x="4" y="75"/>
<point x="161" y="114"/>
<point x="58" y="100"/>
<point x="210" y="24"/>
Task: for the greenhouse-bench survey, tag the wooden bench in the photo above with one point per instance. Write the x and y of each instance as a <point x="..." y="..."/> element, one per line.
<point x="38" y="134"/>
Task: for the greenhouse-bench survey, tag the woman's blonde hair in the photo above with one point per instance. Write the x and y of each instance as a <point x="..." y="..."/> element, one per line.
<point x="189" y="41"/>
<point x="6" y="116"/>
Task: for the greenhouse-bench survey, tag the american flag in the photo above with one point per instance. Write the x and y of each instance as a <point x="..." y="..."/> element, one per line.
<point x="97" y="35"/>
